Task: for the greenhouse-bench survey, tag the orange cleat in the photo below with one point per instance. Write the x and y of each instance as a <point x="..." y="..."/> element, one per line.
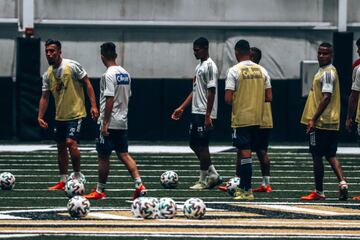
<point x="263" y="188"/>
<point x="58" y="186"/>
<point x="139" y="191"/>
<point x="356" y="198"/>
<point x="222" y="188"/>
<point x="95" y="195"/>
<point x="313" y="196"/>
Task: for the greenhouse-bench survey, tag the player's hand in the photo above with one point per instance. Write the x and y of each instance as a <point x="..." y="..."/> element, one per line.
<point x="42" y="123"/>
<point x="104" y="129"/>
<point x="208" y="122"/>
<point x="94" y="113"/>
<point x="177" y="114"/>
<point x="310" y="126"/>
<point x="348" y="124"/>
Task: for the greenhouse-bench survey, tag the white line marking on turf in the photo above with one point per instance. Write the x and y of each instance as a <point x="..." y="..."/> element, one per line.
<point x="8" y="217"/>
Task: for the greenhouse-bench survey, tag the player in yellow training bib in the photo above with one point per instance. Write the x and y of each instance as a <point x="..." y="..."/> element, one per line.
<point x="65" y="79"/>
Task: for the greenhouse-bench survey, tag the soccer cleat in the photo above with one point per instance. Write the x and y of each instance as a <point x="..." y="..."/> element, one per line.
<point x="263" y="188"/>
<point x="222" y="188"/>
<point x="95" y="195"/>
<point x="199" y="185"/>
<point x="139" y="191"/>
<point x="243" y="195"/>
<point x="356" y="198"/>
<point x="58" y="186"/>
<point x="343" y="192"/>
<point x="313" y="196"/>
<point x="213" y="182"/>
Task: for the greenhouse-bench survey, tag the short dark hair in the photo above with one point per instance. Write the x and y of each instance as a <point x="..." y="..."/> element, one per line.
<point x="52" y="41"/>
<point x="358" y="42"/>
<point x="242" y="46"/>
<point x="108" y="50"/>
<point x="255" y="54"/>
<point x="201" y="42"/>
<point x="325" y="44"/>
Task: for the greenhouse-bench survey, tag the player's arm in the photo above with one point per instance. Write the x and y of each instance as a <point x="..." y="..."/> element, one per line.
<point x="230" y="85"/>
<point x="322" y="105"/>
<point x="90" y="92"/>
<point x="268" y="89"/>
<point x="43" y="104"/>
<point x="176" y="115"/>
<point x="229" y="96"/>
<point x="352" y="104"/>
<point x="210" y="103"/>
<point x="109" y="103"/>
<point x="268" y="95"/>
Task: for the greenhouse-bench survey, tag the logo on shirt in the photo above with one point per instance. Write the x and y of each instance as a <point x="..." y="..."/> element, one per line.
<point x="122" y="79"/>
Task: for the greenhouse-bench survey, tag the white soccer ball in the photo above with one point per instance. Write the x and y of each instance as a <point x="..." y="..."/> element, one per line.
<point x="169" y="179"/>
<point x="232" y="184"/>
<point x="7" y="181"/>
<point x="167" y="208"/>
<point x="194" y="208"/>
<point x="149" y="208"/>
<point x="78" y="207"/>
<point x="136" y="206"/>
<point x="74" y="188"/>
<point x="81" y="178"/>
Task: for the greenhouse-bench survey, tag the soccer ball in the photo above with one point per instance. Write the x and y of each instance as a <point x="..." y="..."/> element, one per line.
<point x="135" y="207"/>
<point x="232" y="185"/>
<point x="73" y="188"/>
<point x="81" y="178"/>
<point x="149" y="208"/>
<point x="167" y="208"/>
<point x="7" y="181"/>
<point x="169" y="179"/>
<point x="78" y="207"/>
<point x="194" y="208"/>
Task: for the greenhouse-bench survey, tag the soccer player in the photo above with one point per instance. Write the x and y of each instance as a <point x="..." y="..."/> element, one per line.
<point x="65" y="79"/>
<point x="322" y="117"/>
<point x="204" y="103"/>
<point x="261" y="141"/>
<point x="354" y="104"/>
<point x="115" y="91"/>
<point x="247" y="87"/>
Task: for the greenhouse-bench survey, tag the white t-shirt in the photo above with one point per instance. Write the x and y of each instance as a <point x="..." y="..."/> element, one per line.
<point x="356" y="79"/>
<point x="232" y="78"/>
<point x="78" y="72"/>
<point x="206" y="76"/>
<point x="115" y="82"/>
<point x="327" y="80"/>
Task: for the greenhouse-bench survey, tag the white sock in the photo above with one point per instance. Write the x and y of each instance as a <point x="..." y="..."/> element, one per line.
<point x="63" y="178"/>
<point x="265" y="180"/>
<point x="137" y="182"/>
<point x="321" y="193"/>
<point x="203" y="175"/>
<point x="212" y="171"/>
<point x="100" y="187"/>
<point x="342" y="183"/>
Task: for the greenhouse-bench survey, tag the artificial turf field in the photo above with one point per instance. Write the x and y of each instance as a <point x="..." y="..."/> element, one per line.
<point x="31" y="212"/>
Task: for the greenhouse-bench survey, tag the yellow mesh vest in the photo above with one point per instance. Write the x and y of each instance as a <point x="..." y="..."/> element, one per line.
<point x="330" y="118"/>
<point x="267" y="121"/>
<point x="68" y="95"/>
<point x="248" y="99"/>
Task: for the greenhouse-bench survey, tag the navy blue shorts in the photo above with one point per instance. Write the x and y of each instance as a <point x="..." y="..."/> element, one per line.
<point x="244" y="137"/>
<point x="67" y="129"/>
<point x="197" y="131"/>
<point x="323" y="142"/>
<point x="261" y="141"/>
<point x="117" y="140"/>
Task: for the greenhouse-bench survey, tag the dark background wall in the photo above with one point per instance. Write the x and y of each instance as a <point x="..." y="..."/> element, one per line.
<point x="153" y="101"/>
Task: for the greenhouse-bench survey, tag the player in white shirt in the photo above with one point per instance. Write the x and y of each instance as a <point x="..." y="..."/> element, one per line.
<point x="115" y="92"/>
<point x="203" y="101"/>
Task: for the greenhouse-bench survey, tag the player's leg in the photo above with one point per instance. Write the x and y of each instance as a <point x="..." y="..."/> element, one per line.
<point x="242" y="141"/>
<point x="104" y="147"/>
<point x="120" y="139"/>
<point x="262" y="143"/>
<point x="72" y="136"/>
<point x="317" y="150"/>
<point x="62" y="155"/>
